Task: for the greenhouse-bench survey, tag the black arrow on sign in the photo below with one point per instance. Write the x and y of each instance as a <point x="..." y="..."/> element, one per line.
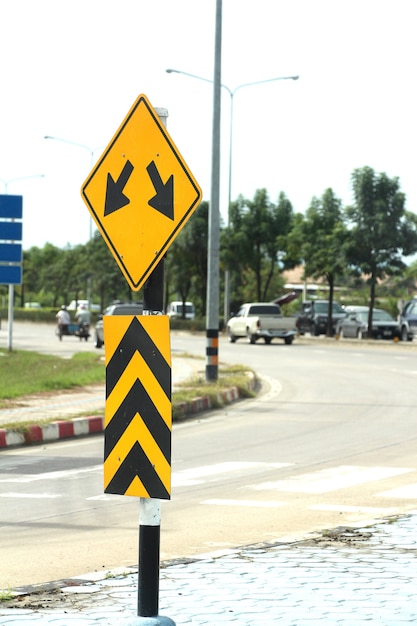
<point x="163" y="201"/>
<point x="115" y="198"/>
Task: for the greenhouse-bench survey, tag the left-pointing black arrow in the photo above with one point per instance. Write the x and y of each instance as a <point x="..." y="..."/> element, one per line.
<point x="115" y="198"/>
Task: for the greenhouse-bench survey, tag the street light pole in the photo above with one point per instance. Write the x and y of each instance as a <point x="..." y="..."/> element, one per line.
<point x="92" y="151"/>
<point x="231" y="93"/>
<point x="6" y="183"/>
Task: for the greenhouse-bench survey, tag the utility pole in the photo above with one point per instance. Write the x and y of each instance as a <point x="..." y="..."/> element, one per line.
<point x="212" y="313"/>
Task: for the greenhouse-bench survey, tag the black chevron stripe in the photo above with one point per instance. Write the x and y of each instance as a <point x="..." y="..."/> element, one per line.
<point x="134" y="337"/>
<point x="136" y="463"/>
<point x="138" y="401"/>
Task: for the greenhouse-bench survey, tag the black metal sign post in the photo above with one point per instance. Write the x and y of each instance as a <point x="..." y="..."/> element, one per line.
<point x="150" y="508"/>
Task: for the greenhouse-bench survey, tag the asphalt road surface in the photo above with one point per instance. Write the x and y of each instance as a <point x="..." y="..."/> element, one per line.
<point x="330" y="441"/>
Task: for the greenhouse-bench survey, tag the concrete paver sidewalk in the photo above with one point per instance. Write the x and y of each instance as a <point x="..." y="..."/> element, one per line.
<point x="350" y="577"/>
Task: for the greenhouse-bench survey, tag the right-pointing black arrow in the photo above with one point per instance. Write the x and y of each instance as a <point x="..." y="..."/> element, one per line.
<point x="163" y="201"/>
<point x="115" y="198"/>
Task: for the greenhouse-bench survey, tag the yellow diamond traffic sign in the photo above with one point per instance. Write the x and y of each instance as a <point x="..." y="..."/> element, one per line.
<point x="141" y="193"/>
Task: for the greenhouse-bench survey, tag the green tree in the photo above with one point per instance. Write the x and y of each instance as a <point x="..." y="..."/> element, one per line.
<point x="107" y="282"/>
<point x="254" y="241"/>
<point x="324" y="236"/>
<point x="381" y="232"/>
<point x="186" y="262"/>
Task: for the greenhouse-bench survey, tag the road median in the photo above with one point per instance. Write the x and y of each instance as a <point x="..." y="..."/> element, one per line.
<point x="191" y="397"/>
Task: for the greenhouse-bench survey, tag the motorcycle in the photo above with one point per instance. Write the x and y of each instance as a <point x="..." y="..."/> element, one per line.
<point x="78" y="330"/>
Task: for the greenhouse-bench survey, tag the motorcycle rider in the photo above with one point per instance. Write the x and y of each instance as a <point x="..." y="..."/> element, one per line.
<point x="83" y="318"/>
<point x="63" y="319"/>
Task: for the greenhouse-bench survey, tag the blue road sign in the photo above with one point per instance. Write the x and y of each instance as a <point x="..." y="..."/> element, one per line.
<point x="10" y="231"/>
<point x="11" y="209"/>
<point x="10" y="274"/>
<point x="11" y="206"/>
<point x="10" y="252"/>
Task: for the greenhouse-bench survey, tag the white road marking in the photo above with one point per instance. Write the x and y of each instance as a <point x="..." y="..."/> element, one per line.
<point x="331" y="479"/>
<point x="38" y="496"/>
<point x="106" y="496"/>
<point x="199" y="475"/>
<point x="253" y="504"/>
<point x="343" y="508"/>
<point x="323" y="481"/>
<point x="275" y="389"/>
<point x="30" y="478"/>
<point x="406" y="492"/>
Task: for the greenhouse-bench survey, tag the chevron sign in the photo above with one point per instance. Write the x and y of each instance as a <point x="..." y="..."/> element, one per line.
<point x="138" y="413"/>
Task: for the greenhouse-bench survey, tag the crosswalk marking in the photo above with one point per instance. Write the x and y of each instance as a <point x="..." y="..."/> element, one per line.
<point x="343" y="508"/>
<point x="38" y="496"/>
<point x="245" y="475"/>
<point x="30" y="478"/>
<point x="331" y="479"/>
<point x="406" y="492"/>
<point x="199" y="475"/>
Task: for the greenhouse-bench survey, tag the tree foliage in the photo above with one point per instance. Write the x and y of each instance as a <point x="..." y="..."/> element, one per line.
<point x="381" y="231"/>
<point x="186" y="266"/>
<point x="323" y="236"/>
<point x="255" y="242"/>
<point x="371" y="237"/>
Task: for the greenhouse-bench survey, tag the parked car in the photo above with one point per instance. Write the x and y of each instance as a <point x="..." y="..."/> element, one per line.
<point x="118" y="308"/>
<point x="175" y="310"/>
<point x="74" y="305"/>
<point x="33" y="305"/>
<point x="313" y="317"/>
<point x="355" y="324"/>
<point x="408" y="321"/>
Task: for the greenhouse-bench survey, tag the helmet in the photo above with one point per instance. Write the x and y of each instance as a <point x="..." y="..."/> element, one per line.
<point x="82" y="306"/>
<point x="63" y="307"/>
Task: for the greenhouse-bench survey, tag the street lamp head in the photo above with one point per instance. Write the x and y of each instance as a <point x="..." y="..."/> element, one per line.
<point x="294" y="77"/>
<point x="170" y="70"/>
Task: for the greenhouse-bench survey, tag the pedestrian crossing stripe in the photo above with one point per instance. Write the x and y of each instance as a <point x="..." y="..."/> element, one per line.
<point x="138" y="411"/>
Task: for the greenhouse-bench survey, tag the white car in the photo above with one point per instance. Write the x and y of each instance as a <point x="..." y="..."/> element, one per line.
<point x="175" y="310"/>
<point x="74" y="305"/>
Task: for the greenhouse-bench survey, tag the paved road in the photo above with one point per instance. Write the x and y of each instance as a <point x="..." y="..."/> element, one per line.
<point x="325" y="446"/>
<point x="331" y="444"/>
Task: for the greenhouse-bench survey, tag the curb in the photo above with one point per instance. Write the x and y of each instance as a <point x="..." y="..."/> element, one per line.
<point x="62" y="429"/>
<point x="90" y="425"/>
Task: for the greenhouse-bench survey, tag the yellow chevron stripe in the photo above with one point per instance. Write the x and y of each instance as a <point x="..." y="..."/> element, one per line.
<point x="137" y="489"/>
<point x="157" y="327"/>
<point x="138" y="369"/>
<point x="137" y="432"/>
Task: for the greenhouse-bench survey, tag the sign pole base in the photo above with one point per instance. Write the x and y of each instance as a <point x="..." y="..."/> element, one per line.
<point x="159" y="620"/>
<point x="148" y="570"/>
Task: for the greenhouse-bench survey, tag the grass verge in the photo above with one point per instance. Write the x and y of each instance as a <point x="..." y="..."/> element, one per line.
<point x="25" y="373"/>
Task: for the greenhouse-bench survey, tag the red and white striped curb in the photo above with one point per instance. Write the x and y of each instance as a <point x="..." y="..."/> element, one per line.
<point x="51" y="432"/>
<point x="81" y="426"/>
<point x="204" y="403"/>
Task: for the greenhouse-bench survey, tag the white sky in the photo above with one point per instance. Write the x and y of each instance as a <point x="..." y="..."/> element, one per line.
<point x="73" y="69"/>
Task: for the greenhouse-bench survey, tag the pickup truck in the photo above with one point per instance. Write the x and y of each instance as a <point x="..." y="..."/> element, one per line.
<point x="314" y="314"/>
<point x="256" y="320"/>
